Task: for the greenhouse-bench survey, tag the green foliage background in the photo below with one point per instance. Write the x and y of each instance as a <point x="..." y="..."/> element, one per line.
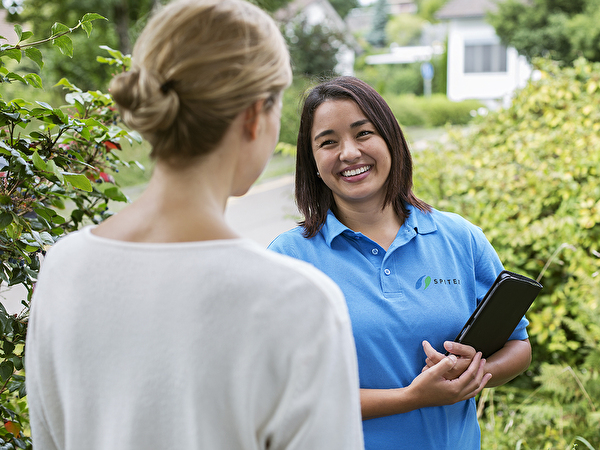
<point x="561" y="29"/>
<point x="529" y="177"/>
<point x="56" y="165"/>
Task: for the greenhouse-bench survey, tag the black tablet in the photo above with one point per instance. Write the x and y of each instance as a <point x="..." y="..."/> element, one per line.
<point x="499" y="312"/>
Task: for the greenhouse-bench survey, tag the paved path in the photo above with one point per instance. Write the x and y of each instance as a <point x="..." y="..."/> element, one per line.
<point x="267" y="210"/>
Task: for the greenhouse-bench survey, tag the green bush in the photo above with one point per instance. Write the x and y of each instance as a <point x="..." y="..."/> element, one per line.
<point x="56" y="165"/>
<point x="529" y="177"/>
<point x="392" y="79"/>
<point x="433" y="111"/>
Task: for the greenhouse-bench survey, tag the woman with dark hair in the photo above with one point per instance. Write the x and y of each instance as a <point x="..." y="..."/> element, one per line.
<point x="411" y="274"/>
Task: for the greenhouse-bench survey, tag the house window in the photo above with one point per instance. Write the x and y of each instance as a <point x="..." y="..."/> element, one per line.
<point x="483" y="58"/>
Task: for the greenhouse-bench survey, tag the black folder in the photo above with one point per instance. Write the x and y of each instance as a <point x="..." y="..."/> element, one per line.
<point x="499" y="312"/>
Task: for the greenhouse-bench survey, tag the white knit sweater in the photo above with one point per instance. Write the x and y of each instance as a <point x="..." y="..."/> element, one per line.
<point x="206" y="345"/>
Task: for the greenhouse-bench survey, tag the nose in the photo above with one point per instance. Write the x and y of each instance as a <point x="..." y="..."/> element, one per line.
<point x="349" y="151"/>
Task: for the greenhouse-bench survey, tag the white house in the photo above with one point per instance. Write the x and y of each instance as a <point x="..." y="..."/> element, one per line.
<point x="321" y="12"/>
<point x="479" y="66"/>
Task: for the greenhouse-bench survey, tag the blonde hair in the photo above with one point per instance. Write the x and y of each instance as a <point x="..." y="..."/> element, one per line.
<point x="195" y="67"/>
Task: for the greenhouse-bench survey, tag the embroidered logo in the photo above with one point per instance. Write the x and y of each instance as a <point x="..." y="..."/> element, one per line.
<point x="423" y="282"/>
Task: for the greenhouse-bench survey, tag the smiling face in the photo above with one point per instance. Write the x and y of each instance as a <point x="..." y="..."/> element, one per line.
<point x="352" y="158"/>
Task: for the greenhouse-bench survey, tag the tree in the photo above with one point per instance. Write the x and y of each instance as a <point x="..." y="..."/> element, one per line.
<point x="126" y="18"/>
<point x="376" y="36"/>
<point x="343" y="7"/>
<point x="55" y="176"/>
<point x="559" y="29"/>
<point x="428" y="8"/>
<point x="404" y="29"/>
<point x="313" y="48"/>
<point x="271" y="5"/>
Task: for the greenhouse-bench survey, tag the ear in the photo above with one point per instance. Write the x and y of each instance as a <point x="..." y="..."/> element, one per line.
<point x="252" y="119"/>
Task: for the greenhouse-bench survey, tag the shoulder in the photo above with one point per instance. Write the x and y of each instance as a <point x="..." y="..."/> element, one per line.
<point x="295" y="244"/>
<point x="455" y="225"/>
<point x="288" y="277"/>
<point x="68" y="246"/>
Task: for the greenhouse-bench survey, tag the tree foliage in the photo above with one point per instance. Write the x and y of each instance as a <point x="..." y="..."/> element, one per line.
<point x="55" y="165"/>
<point x="427" y="9"/>
<point x="376" y="36"/>
<point x="404" y="29"/>
<point x="126" y="19"/>
<point x="529" y="176"/>
<point x="563" y="30"/>
<point x="343" y="7"/>
<point x="313" y="48"/>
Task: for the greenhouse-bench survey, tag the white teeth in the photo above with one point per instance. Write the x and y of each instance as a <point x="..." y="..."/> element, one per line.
<point x="351" y="173"/>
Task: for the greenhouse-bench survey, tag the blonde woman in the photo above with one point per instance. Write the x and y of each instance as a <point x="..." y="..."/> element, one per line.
<point x="161" y="328"/>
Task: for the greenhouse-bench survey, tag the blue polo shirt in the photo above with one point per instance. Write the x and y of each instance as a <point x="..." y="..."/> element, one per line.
<point x="424" y="287"/>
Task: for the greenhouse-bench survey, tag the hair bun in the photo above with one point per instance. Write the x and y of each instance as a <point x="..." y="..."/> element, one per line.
<point x="146" y="102"/>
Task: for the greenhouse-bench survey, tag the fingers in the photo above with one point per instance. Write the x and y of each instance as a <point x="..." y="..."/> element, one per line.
<point x="433" y="356"/>
<point x="474" y="378"/>
<point x="462" y="350"/>
<point x="446" y="364"/>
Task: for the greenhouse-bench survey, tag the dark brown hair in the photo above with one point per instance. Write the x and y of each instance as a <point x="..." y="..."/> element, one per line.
<point x="313" y="197"/>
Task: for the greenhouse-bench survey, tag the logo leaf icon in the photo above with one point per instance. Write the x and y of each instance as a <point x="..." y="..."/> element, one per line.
<point x="426" y="280"/>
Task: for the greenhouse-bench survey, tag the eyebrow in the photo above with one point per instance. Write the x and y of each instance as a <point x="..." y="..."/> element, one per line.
<point x="356" y="124"/>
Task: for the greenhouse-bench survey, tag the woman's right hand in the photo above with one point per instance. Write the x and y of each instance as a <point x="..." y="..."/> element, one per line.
<point x="433" y="388"/>
<point x="430" y="388"/>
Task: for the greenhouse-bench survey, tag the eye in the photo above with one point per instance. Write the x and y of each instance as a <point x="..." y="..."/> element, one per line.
<point x="364" y="133"/>
<point x="326" y="143"/>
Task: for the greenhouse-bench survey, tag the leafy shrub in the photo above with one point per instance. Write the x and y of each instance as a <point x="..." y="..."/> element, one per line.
<point x="529" y="176"/>
<point x="392" y="79"/>
<point x="432" y="111"/>
<point x="407" y="109"/>
<point x="55" y="176"/>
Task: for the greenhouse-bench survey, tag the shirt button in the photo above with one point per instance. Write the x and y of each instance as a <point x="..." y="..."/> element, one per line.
<point x="375" y="251"/>
<point x="387" y="271"/>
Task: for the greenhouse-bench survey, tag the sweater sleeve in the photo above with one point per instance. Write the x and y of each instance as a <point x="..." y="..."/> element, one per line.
<point x="320" y="412"/>
<point x="40" y="431"/>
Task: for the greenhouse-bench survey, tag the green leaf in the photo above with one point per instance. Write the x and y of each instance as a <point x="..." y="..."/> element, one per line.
<point x="45" y="105"/>
<point x="35" y="55"/>
<point x="65" y="45"/>
<point x="67" y="84"/>
<point x="58" y="28"/>
<point x="6" y="370"/>
<point x="114" y="193"/>
<point x="26" y="35"/>
<point x="18" y="31"/>
<point x="87" y="26"/>
<point x="5" y="220"/>
<point x="112" y="52"/>
<point x="38" y="162"/>
<point x="92" y="16"/>
<point x="8" y="347"/>
<point x="57" y="203"/>
<point x="12" y="53"/>
<point x="33" y="79"/>
<point x="78" y="181"/>
<point x="53" y="168"/>
<point x="14" y="76"/>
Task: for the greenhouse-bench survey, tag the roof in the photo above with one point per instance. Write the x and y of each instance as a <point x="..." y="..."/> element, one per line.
<point x="459" y="9"/>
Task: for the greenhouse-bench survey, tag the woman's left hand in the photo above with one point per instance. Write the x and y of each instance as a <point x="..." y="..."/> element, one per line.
<point x="464" y="354"/>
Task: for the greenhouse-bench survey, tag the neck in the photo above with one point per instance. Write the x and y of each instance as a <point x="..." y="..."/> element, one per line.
<point x="181" y="204"/>
<point x="379" y="225"/>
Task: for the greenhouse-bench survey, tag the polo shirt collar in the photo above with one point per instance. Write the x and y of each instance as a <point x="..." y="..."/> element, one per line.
<point x="419" y="221"/>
